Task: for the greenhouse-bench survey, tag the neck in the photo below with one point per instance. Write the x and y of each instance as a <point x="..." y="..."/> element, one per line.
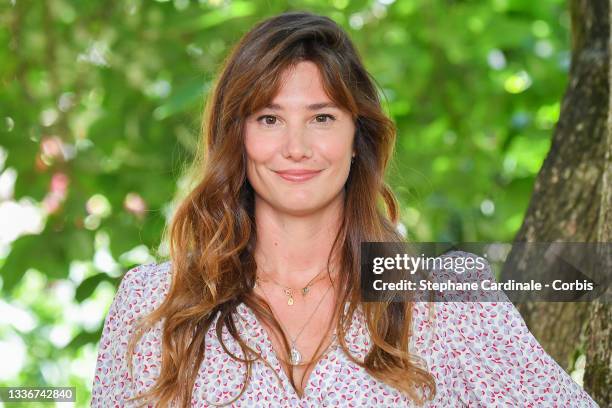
<point x="294" y="249"/>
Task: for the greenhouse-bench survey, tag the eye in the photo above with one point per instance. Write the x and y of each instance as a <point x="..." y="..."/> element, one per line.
<point x="324" y="118"/>
<point x="268" y="120"/>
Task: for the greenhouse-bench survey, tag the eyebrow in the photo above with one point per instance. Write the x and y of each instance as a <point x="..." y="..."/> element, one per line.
<point x="312" y="107"/>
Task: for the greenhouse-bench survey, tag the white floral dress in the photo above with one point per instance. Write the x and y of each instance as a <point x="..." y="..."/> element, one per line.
<point x="481" y="354"/>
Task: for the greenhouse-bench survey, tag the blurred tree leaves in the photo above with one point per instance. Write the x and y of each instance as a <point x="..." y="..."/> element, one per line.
<point x="104" y="99"/>
<point x="87" y="287"/>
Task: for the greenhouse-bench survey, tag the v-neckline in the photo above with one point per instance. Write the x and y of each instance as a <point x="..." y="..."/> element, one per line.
<point x="274" y="361"/>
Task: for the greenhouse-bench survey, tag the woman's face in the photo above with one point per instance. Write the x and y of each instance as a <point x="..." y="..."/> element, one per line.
<point x="299" y="148"/>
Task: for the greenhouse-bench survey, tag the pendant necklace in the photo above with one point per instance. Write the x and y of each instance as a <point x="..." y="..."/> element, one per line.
<point x="289" y="291"/>
<point x="296" y="356"/>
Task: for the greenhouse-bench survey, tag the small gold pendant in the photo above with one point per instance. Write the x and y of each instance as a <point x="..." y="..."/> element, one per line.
<point x="289" y="293"/>
<point x="305" y="291"/>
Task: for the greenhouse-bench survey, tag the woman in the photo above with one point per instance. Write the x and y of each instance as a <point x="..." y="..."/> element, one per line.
<point x="260" y="304"/>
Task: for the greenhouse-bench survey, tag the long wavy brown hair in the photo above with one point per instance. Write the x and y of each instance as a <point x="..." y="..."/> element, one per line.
<point x="212" y="235"/>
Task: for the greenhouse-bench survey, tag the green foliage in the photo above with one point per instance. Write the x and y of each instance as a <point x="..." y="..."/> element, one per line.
<point x="101" y="105"/>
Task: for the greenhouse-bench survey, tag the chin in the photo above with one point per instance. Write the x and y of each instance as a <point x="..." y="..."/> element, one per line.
<point x="297" y="207"/>
<point x="301" y="206"/>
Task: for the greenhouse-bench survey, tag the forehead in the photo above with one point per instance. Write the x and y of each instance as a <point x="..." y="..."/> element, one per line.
<point x="301" y="83"/>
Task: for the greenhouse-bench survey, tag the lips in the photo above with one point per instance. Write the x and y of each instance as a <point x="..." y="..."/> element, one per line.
<point x="298" y="175"/>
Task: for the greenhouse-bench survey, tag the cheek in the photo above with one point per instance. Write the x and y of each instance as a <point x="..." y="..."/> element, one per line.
<point x="337" y="148"/>
<point x="257" y="148"/>
<point x="336" y="151"/>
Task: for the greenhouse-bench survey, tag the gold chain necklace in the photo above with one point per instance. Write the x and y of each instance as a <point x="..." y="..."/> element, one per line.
<point x="289" y="290"/>
<point x="296" y="356"/>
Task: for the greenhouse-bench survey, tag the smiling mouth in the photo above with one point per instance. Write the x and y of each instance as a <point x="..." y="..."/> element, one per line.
<point x="298" y="175"/>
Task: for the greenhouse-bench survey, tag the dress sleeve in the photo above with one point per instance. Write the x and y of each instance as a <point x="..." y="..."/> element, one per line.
<point x="112" y="382"/>
<point x="501" y="363"/>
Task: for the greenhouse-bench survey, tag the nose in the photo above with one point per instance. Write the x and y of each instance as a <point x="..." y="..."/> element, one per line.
<point x="297" y="145"/>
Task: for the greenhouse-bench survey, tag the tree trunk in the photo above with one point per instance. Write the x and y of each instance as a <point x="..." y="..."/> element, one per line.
<point x="571" y="200"/>
<point x="598" y="374"/>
